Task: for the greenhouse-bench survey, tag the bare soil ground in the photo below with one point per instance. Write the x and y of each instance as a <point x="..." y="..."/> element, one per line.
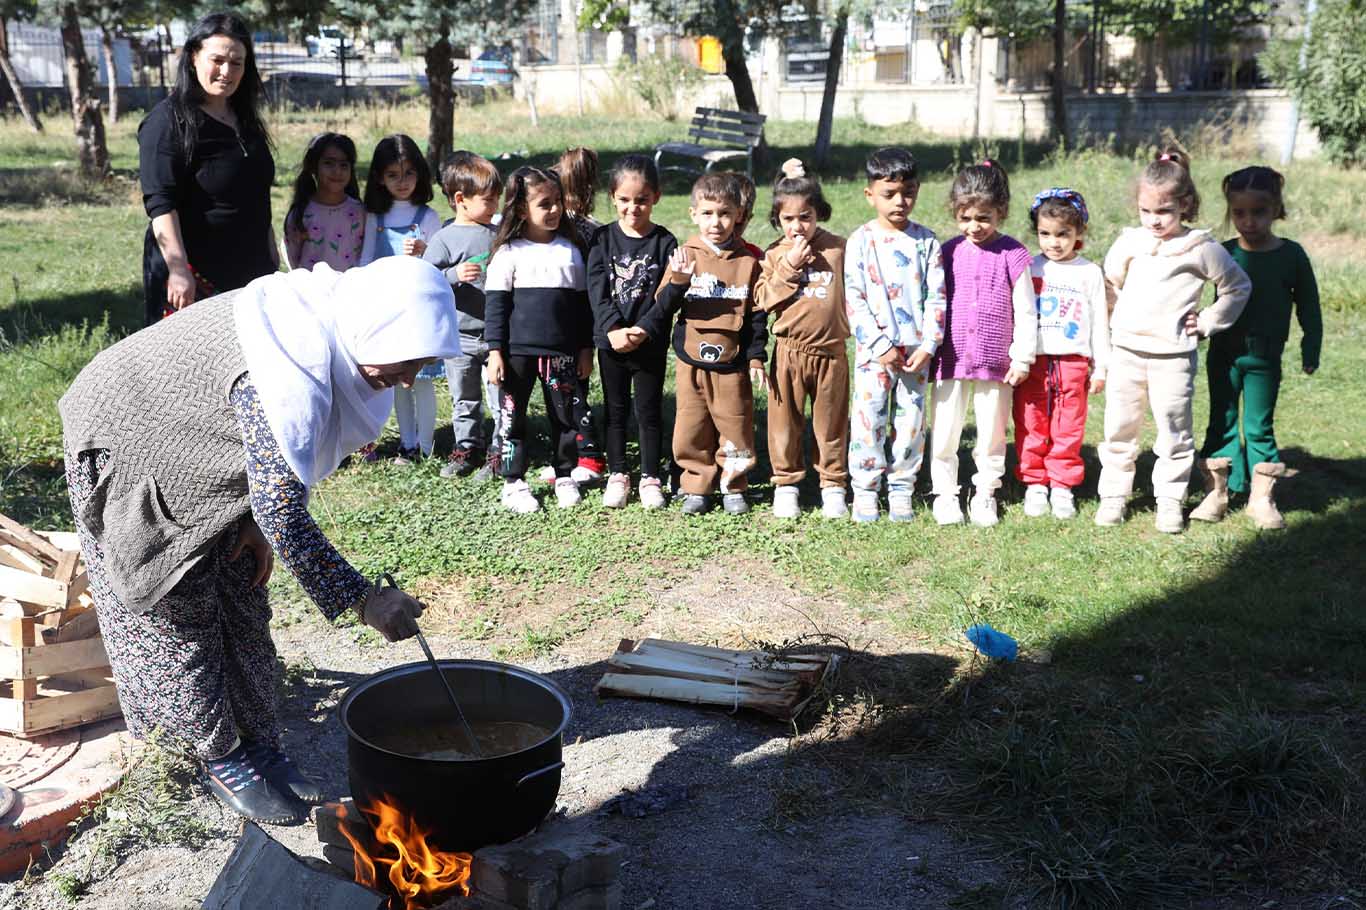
<point x="766" y="825"/>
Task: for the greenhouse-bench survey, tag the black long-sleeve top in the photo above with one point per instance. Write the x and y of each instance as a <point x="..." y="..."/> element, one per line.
<point x="623" y="273"/>
<point x="221" y="194"/>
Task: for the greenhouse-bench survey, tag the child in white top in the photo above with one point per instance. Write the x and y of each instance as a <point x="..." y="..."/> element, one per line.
<point x="1159" y="271"/>
<point x="1073" y="349"/>
<point x="400" y="223"/>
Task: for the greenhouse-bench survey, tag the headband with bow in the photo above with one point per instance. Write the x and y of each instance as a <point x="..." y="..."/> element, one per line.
<point x="1071" y="197"/>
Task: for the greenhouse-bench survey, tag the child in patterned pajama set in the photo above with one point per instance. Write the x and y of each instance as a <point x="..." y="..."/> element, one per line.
<point x="894" y="291"/>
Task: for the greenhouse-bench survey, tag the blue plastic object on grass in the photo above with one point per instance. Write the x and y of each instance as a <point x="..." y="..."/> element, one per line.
<point x="992" y="643"/>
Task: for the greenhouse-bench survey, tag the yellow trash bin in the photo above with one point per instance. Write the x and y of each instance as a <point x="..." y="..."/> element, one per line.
<point x="709" y="54"/>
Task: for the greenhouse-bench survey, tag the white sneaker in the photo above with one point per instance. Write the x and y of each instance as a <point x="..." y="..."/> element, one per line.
<point x="547" y="474"/>
<point x="1036" y="500"/>
<point x="1111" y="511"/>
<point x="1170" y="520"/>
<point x="585" y="476"/>
<point x="866" y="507"/>
<point x="947" y="511"/>
<point x="1064" y="506"/>
<point x="567" y="492"/>
<point x="982" y="510"/>
<point x="785" y="504"/>
<point x="651" y="493"/>
<point x="516" y="497"/>
<point x="833" y="503"/>
<point x="899" y="506"/>
<point x="617" y="492"/>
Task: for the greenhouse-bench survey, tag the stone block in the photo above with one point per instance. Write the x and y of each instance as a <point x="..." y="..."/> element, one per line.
<point x="534" y="871"/>
<point x="606" y="897"/>
<point x="527" y="880"/>
<point x="330" y="817"/>
<point x="344" y="858"/>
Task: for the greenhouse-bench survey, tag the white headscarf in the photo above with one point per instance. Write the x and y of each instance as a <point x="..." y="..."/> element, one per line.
<point x="305" y="334"/>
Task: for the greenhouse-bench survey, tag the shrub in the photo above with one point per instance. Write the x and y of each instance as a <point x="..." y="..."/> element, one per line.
<point x="1331" y="86"/>
<point x="664" y="84"/>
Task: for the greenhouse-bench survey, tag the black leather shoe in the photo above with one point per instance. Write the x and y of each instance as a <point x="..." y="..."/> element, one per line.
<point x="695" y="504"/>
<point x="240" y="786"/>
<point x="283" y="774"/>
<point x="735" y="503"/>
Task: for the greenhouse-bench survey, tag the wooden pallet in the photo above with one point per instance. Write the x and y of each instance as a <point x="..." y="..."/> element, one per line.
<point x="54" y="673"/>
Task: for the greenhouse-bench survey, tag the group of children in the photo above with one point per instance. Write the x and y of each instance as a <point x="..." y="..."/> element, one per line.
<point x="544" y="292"/>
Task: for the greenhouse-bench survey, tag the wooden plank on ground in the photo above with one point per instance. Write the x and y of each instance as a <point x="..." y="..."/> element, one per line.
<point x="695" y="693"/>
<point x="702" y="671"/>
<point x="65" y="570"/>
<point x="33" y="589"/>
<point x="13" y="532"/>
<point x="79" y="585"/>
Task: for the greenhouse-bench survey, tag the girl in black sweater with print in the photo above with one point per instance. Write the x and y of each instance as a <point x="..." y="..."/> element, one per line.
<point x="625" y="264"/>
<point x="538" y="325"/>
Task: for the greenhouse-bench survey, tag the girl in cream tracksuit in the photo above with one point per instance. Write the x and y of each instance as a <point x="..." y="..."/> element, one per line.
<point x="1159" y="271"/>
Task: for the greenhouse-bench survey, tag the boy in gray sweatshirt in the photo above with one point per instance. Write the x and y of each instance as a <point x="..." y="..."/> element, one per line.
<point x="461" y="250"/>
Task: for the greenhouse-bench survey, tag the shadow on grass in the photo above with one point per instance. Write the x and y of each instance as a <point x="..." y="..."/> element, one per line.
<point x="36" y="187"/>
<point x="31" y="320"/>
<point x="1206" y="744"/>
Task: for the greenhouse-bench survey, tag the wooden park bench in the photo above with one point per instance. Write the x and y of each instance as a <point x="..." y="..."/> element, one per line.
<point x="715" y="136"/>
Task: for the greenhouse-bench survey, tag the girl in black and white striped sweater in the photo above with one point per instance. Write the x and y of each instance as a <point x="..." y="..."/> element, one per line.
<point x="538" y="325"/>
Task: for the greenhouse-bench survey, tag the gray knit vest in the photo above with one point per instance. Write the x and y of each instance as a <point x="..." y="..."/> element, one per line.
<point x="177" y="475"/>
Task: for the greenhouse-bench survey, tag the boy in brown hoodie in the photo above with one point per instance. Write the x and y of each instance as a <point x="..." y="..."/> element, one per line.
<point x="802" y="281"/>
<point x="710" y="285"/>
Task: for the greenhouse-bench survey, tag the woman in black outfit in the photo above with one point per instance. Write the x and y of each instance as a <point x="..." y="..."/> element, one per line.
<point x="206" y="171"/>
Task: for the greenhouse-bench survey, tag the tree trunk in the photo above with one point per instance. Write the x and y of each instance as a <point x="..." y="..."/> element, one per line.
<point x="1060" y="72"/>
<point x="826" y="124"/>
<point x="15" y="85"/>
<point x="91" y="149"/>
<point x="733" y="53"/>
<point x="107" y="46"/>
<point x="441" y="117"/>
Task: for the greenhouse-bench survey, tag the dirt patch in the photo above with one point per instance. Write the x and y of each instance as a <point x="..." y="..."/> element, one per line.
<point x="757" y="824"/>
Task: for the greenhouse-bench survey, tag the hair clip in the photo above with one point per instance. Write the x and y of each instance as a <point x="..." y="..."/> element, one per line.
<point x="1164" y="157"/>
<point x="1071" y="197"/>
<point x="793" y="168"/>
<point x="986" y="163"/>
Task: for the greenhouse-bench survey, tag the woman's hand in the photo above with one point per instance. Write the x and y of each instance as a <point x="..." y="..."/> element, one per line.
<point x="391" y="613"/>
<point x="249" y="537"/>
<point x="180" y="287"/>
<point x="585" y="363"/>
<point x="496" y="369"/>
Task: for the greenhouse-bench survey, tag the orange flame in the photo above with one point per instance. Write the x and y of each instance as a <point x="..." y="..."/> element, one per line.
<point x="417" y="875"/>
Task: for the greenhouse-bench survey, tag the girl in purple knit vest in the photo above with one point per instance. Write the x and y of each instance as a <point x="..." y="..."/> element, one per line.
<point x="989" y="341"/>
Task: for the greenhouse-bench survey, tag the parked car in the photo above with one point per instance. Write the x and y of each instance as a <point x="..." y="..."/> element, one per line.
<point x="328" y="42"/>
<point x="494" y="66"/>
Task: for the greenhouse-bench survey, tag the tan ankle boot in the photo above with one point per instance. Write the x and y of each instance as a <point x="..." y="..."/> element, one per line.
<point x="1260" y="504"/>
<point x="1214" y="472"/>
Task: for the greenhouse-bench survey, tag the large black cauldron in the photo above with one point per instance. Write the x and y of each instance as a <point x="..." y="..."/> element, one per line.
<point x="465" y="804"/>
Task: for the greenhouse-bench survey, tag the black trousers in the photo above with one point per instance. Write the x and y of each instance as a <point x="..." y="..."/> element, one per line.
<point x="642" y="370"/>
<point x="559" y="377"/>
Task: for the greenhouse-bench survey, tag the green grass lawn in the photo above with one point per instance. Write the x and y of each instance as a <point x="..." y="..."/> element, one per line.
<point x="1198" y="726"/>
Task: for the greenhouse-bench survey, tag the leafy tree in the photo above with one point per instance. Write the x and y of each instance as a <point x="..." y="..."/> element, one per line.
<point x="436" y="26"/>
<point x="12" y="11"/>
<point x="1326" y="71"/>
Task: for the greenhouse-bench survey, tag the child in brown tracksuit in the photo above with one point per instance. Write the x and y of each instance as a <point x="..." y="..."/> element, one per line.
<point x="710" y="284"/>
<point x="802" y="281"/>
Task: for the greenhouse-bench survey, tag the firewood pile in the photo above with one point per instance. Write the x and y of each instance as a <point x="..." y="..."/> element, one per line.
<point x="779" y="685"/>
<point x="53" y="667"/>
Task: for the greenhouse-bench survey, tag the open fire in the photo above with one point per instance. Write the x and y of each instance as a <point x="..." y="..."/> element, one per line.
<point x="418" y="876"/>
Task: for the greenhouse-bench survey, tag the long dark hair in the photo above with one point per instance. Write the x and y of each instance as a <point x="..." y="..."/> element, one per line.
<point x="578" y="172"/>
<point x="188" y="94"/>
<point x="306" y="184"/>
<point x="807" y="189"/>
<point x="392" y="150"/>
<point x="513" y="225"/>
